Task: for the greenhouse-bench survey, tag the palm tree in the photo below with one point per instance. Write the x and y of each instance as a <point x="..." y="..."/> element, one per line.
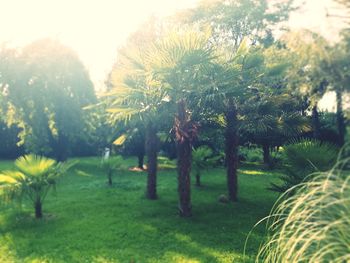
<point x="135" y="95"/>
<point x="271" y="119"/>
<point x="202" y="158"/>
<point x="234" y="81"/>
<point x="33" y="179"/>
<point x="181" y="61"/>
<point x="110" y="166"/>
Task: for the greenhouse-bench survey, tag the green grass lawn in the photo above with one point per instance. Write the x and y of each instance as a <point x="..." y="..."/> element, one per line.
<point x="87" y="221"/>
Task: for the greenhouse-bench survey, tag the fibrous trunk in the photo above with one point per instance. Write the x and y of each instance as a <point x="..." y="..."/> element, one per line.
<point x="231" y="150"/>
<point x="151" y="152"/>
<point x="185" y="132"/>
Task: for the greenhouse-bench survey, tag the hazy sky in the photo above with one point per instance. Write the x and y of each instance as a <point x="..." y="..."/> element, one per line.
<point x="95" y="28"/>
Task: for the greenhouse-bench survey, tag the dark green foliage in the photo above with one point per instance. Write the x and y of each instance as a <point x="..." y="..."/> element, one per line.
<point x="303" y="158"/>
<point x="250" y="154"/>
<point x="45" y="86"/>
<point x="8" y="141"/>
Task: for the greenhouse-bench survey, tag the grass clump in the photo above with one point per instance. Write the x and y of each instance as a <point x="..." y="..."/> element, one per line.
<point x="313" y="225"/>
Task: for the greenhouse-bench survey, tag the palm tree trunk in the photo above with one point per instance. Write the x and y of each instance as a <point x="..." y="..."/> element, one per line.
<point x="140" y="158"/>
<point x="184" y="155"/>
<point x="62" y="149"/>
<point x="231" y="151"/>
<point x="340" y="118"/>
<point x="38" y="209"/>
<point x="151" y="151"/>
<point x="198" y="179"/>
<point x="110" y="182"/>
<point x="315" y="123"/>
<point x="266" y="153"/>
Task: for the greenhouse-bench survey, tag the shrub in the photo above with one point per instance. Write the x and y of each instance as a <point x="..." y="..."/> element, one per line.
<point x="305" y="157"/>
<point x="33" y="179"/>
<point x="111" y="165"/>
<point x="251" y="154"/>
<point x="313" y="225"/>
<point x="202" y="158"/>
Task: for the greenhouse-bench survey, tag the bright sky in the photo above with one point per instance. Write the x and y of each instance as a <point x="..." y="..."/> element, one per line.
<point x="96" y="28"/>
<point x="93" y="28"/>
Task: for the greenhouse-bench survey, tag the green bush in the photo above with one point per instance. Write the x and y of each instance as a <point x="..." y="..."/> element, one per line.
<point x="303" y="158"/>
<point x="313" y="225"/>
<point x="251" y="154"/>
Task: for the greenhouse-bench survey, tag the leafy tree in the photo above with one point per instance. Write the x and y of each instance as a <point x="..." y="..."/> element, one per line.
<point x="308" y="51"/>
<point x="9" y="140"/>
<point x="33" y="178"/>
<point x="234" y="20"/>
<point x="46" y="87"/>
<point x="336" y="66"/>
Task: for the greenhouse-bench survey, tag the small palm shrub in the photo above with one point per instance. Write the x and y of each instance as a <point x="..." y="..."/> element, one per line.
<point x="303" y="158"/>
<point x="313" y="225"/>
<point x="202" y="158"/>
<point x="111" y="165"/>
<point x="33" y="178"/>
<point x="251" y="154"/>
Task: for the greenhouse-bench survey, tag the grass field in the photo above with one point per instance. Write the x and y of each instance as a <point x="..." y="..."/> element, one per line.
<point x="87" y="221"/>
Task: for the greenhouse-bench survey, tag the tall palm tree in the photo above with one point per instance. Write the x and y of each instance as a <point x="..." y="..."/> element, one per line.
<point x="136" y="95"/>
<point x="234" y="81"/>
<point x="180" y="62"/>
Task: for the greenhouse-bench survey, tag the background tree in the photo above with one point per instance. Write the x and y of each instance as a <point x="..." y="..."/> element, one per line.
<point x="307" y="51"/>
<point x="46" y="88"/>
<point x="234" y="20"/>
<point x="336" y="66"/>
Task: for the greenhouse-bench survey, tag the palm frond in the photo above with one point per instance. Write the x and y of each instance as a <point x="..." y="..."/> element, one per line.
<point x="34" y="165"/>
